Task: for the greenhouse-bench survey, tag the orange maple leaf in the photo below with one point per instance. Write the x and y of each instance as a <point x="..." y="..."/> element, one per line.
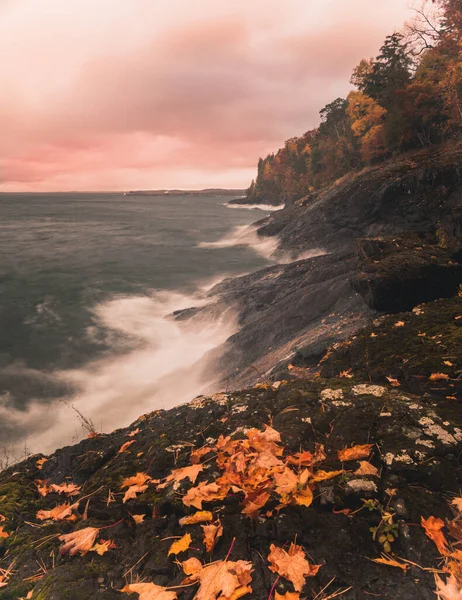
<point x="42" y="487"/>
<point x="178" y="475"/>
<point x="365" y="468"/>
<point x="196" y="455"/>
<point x="149" y="591"/>
<point x="180" y="545"/>
<point x="132" y="491"/>
<point x="433" y="527"/>
<point x="211" y="534"/>
<point x="68" y="489"/>
<point x="355" y="452"/>
<point x="124" y="447"/>
<point x="457" y="502"/>
<point x="59" y="513"/>
<point x="78" y="541"/>
<point x="204" y="492"/>
<point x="198" y="517"/>
<point x="221" y="580"/>
<point x="292" y="565"/>
<point x="138" y="479"/>
<point x="3" y="534"/>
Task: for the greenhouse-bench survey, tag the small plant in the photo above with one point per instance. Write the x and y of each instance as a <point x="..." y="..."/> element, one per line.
<point x="386" y="531"/>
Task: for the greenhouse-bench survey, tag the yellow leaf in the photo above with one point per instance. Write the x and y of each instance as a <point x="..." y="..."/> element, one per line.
<point x="355" y="452"/>
<point x="149" y="591"/>
<point x="390" y="563"/>
<point x="180" y="545"/>
<point x="198" y="517"/>
<point x="101" y="548"/>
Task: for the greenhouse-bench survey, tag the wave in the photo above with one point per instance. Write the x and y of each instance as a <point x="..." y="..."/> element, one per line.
<point x="159" y="362"/>
<point x="268" y="247"/>
<point x="264" y="207"/>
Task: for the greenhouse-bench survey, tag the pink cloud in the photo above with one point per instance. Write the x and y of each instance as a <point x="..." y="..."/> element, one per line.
<point x="156" y="94"/>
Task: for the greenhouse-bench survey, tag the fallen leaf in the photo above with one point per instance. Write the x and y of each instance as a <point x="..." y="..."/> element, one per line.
<point x="346" y="374"/>
<point x="324" y="475"/>
<point x="256" y="504"/>
<point x="2" y="519"/>
<point x="138" y="479"/>
<point x="390" y="562"/>
<point x="42" y="487"/>
<point x="196" y="455"/>
<point x="68" y="489"/>
<point x="448" y="363"/>
<point x="78" y="541"/>
<point x="138" y="519"/>
<point x="41" y="462"/>
<point x="365" y="468"/>
<point x="292" y="565"/>
<point x="124" y="447"/>
<point x="59" y="513"/>
<point x="451" y="398"/>
<point x="449" y="589"/>
<point x="178" y="475"/>
<point x="457" y="502"/>
<point x="198" y="517"/>
<point x="134" y="432"/>
<point x="393" y="382"/>
<point x="3" y="534"/>
<point x="204" y="492"/>
<point x="355" y="452"/>
<point x="221" y="580"/>
<point x="399" y="324"/>
<point x="180" y="545"/>
<point x="132" y="491"/>
<point x="211" y="535"/>
<point x="287" y="596"/>
<point x="149" y="591"/>
<point x="438" y="376"/>
<point x="433" y="527"/>
<point x="102" y="547"/>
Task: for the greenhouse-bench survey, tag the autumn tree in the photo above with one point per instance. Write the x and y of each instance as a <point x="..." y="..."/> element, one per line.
<point x="367" y="124"/>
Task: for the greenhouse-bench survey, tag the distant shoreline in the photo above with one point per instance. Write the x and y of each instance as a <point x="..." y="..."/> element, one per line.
<point x="205" y="192"/>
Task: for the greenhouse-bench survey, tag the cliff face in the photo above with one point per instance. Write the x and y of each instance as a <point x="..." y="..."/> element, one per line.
<point x="333" y="373"/>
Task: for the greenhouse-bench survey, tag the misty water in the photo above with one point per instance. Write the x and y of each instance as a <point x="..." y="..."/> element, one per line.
<point x="86" y="281"/>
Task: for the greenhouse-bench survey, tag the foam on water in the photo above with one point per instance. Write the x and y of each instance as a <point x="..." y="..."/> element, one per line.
<point x="263" y="207"/>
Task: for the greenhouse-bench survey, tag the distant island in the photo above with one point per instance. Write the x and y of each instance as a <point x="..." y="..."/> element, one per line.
<point x="206" y="192"/>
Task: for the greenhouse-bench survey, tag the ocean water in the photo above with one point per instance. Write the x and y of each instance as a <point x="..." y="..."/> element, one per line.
<point x="86" y="283"/>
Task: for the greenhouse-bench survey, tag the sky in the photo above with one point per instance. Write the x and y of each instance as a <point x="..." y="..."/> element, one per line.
<point x="147" y="94"/>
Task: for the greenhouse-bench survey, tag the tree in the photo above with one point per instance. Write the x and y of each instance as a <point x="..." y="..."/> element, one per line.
<point x="367" y="118"/>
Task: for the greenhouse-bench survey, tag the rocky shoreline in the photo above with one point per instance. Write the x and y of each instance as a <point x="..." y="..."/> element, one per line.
<point x="351" y="364"/>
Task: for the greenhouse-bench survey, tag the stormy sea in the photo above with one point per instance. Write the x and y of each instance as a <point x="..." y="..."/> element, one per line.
<point x="88" y="284"/>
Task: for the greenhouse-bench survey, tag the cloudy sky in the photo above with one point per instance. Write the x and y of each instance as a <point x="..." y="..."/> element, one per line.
<point x="123" y="94"/>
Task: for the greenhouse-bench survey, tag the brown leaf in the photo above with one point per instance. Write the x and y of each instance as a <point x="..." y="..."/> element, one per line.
<point x="211" y="535"/>
<point x="287" y="596"/>
<point x="78" y="541"/>
<point x="134" y="432"/>
<point x="292" y="565"/>
<point x="3" y="534"/>
<point x="132" y="491"/>
<point x="42" y="487"/>
<point x="355" y="452"/>
<point x="149" y="591"/>
<point x="365" y="468"/>
<point x="180" y="545"/>
<point x="457" y="502"/>
<point x="324" y="475"/>
<point x="392" y="381"/>
<point x="59" y="513"/>
<point x="438" y="376"/>
<point x="399" y="324"/>
<point x="390" y="562"/>
<point x="198" y="517"/>
<point x="138" y="479"/>
<point x="253" y="507"/>
<point x="449" y="589"/>
<point x="221" y="580"/>
<point x="68" y="489"/>
<point x="124" y="447"/>
<point x="138" y="519"/>
<point x="433" y="527"/>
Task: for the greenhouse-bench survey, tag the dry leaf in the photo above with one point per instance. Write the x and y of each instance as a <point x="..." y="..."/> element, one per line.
<point x="196" y="455"/>
<point x="448" y="363"/>
<point x="211" y="535"/>
<point x="2" y="519"/>
<point x="138" y="519"/>
<point x="42" y="487"/>
<point x="324" y="475"/>
<point x="438" y="376"/>
<point x="355" y="452"/>
<point x="292" y="565"/>
<point x="78" y="541"/>
<point x="134" y="432"/>
<point x="178" y="475"/>
<point x="204" y="492"/>
<point x="221" y="580"/>
<point x="433" y="527"/>
<point x="102" y="547"/>
<point x="198" y="517"/>
<point x="59" y="513"/>
<point x="133" y="491"/>
<point x="365" y="468"/>
<point x="41" y="462"/>
<point x="457" y="502"/>
<point x="180" y="545"/>
<point x="124" y="447"/>
<point x="393" y="382"/>
<point x="68" y="489"/>
<point x="399" y="324"/>
<point x="449" y="589"/>
<point x="149" y="591"/>
<point x="287" y="596"/>
<point x="3" y="534"/>
<point x="390" y="562"/>
<point x="138" y="479"/>
<point x="346" y="374"/>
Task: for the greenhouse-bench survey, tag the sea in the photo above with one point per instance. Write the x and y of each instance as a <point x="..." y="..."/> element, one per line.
<point x="88" y="284"/>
